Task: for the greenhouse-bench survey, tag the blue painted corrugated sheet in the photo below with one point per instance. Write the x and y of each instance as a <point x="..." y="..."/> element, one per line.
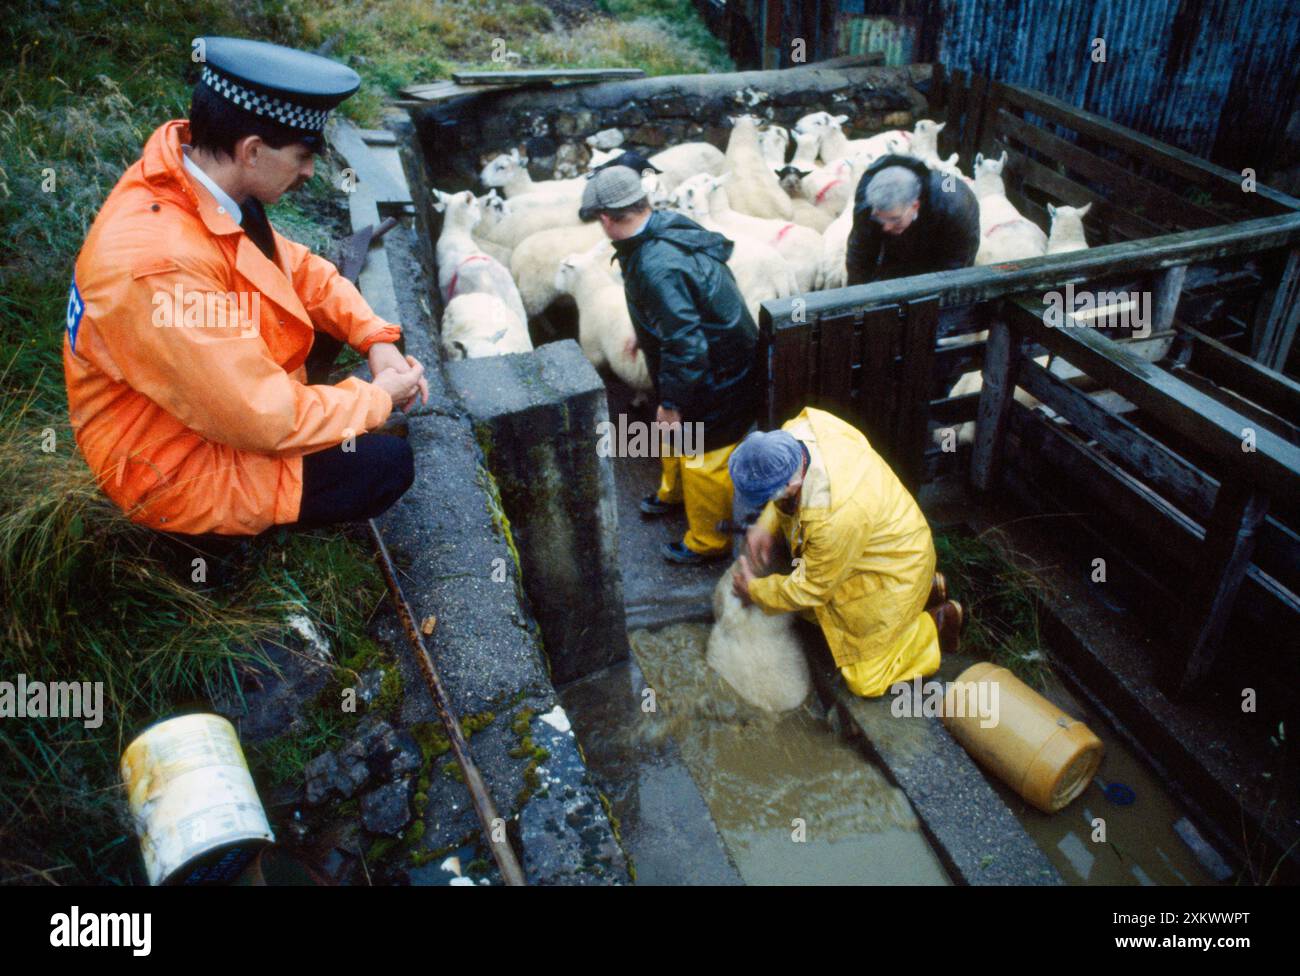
<point x="1218" y="78"/>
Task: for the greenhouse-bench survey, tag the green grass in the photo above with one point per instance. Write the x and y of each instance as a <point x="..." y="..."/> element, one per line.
<point x="1000" y="600"/>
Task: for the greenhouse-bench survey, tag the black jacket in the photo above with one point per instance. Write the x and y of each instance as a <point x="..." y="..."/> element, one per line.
<point x="690" y="319"/>
<point x="945" y="234"/>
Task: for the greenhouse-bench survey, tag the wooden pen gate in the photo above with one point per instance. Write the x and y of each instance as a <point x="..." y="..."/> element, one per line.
<point x="1178" y="442"/>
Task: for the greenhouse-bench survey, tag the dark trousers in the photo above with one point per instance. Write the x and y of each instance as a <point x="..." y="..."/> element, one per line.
<point x="353" y="485"/>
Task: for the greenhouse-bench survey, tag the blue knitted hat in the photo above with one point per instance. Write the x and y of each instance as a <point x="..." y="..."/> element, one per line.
<point x="760" y="467"/>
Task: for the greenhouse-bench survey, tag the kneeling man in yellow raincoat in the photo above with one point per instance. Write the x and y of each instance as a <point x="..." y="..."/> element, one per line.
<point x="864" y="561"/>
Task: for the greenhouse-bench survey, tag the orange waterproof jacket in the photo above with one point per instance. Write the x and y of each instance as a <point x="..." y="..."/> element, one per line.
<point x="184" y="353"/>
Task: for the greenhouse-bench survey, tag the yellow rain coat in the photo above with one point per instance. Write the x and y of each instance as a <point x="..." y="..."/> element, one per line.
<point x="864" y="559"/>
<point x="198" y="423"/>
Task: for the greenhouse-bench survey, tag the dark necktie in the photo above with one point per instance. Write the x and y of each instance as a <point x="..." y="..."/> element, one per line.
<point x="257" y="226"/>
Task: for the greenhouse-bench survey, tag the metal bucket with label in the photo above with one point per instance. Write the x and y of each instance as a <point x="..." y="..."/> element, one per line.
<point x="195" y="808"/>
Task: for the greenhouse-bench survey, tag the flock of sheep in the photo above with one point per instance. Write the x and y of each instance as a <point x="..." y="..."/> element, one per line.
<point x="505" y="256"/>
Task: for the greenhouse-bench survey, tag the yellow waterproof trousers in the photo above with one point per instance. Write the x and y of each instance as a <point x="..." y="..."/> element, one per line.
<point x="703" y="484"/>
<point x="915" y="655"/>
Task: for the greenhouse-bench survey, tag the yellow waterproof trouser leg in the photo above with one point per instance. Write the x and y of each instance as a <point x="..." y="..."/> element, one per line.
<point x="916" y="655"/>
<point x="670" y="481"/>
<point x="706" y="487"/>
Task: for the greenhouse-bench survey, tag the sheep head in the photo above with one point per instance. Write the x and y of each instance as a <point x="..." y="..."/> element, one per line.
<point x="503" y="168"/>
<point x="567" y="273"/>
<point x="987" y="166"/>
<point x="820" y="122"/>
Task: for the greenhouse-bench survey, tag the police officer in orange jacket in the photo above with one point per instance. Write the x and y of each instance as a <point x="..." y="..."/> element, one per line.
<point x="192" y="324"/>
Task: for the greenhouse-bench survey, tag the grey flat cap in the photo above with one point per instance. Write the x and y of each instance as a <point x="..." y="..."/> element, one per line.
<point x="609" y="189"/>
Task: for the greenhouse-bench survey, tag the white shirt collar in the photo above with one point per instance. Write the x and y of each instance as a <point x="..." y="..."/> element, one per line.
<point x="224" y="200"/>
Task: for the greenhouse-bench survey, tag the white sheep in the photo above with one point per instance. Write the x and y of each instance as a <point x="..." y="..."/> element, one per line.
<point x="1067" y="229"/>
<point x="832" y="267"/>
<point x="528" y="214"/>
<point x="605" y="330"/>
<point x="675" y="163"/>
<point x="495" y="209"/>
<point x="754" y="189"/>
<point x="535" y="261"/>
<point x="509" y="172"/>
<point x="773" y="141"/>
<point x="705" y="200"/>
<point x="463" y="266"/>
<point x="835" y="145"/>
<point x="478" y="324"/>
<point x="761" y="273"/>
<point x="758" y="654"/>
<point x="1005" y="233"/>
<point x="806" y="212"/>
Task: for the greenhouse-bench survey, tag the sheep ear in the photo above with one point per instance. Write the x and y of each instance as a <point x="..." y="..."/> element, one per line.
<point x="1083" y="211"/>
<point x="839" y="119"/>
<point x="1051" y="211"/>
<point x="803" y="172"/>
<point x="439" y="200"/>
<point x="1003" y="160"/>
<point x="457" y="344"/>
<point x="979" y="158"/>
<point x="719" y="180"/>
<point x="939" y="127"/>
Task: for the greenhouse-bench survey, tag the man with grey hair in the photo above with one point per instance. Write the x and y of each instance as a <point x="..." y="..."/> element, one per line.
<point x="910" y="220"/>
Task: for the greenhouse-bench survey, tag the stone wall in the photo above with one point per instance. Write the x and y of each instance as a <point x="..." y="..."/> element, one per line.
<point x="552" y="125"/>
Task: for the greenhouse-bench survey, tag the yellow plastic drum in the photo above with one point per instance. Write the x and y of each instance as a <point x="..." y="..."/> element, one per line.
<point x="195" y="808"/>
<point x="1030" y="744"/>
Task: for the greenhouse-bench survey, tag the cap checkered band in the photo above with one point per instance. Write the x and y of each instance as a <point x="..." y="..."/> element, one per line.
<point x="275" y="109"/>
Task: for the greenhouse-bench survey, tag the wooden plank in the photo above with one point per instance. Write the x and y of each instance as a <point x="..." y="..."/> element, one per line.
<point x="1104" y="212"/>
<point x="1266" y="201"/>
<point x="1136" y="451"/>
<point x="834" y="363"/>
<point x="912" y="393"/>
<point x="1256" y="414"/>
<point x="1267" y="387"/>
<point x="1137" y="517"/>
<point x="788" y="392"/>
<point x="1272" y="342"/>
<point x="876" y="380"/>
<point x="1169" y="288"/>
<point x="1001" y="363"/>
<point x="441" y="91"/>
<point x="967" y="286"/>
<point x="544" y="76"/>
<point x="951" y="411"/>
<point x="1273" y="465"/>
<point x="1229" y="543"/>
<point x="1171" y="208"/>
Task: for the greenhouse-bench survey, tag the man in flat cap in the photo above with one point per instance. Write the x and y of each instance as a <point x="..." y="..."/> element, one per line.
<point x="864" y="559"/>
<point x="699" y="343"/>
<point x="192" y="323"/>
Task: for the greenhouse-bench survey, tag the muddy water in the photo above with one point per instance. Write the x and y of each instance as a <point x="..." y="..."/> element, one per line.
<point x="792" y="801"/>
<point x="1139" y="847"/>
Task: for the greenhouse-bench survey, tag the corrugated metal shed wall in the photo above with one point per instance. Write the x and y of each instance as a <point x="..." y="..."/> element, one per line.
<point x="1218" y="78"/>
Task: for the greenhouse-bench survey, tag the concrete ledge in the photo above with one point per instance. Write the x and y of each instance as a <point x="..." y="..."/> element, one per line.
<point x="974" y="833"/>
<point x="537" y="418"/>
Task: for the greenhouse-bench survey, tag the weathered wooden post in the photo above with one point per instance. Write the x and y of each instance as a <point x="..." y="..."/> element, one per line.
<point x="1230" y="532"/>
<point x="1001" y="364"/>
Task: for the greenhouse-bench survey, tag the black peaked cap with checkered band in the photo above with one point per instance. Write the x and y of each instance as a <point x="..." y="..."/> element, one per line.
<point x="295" y="89"/>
